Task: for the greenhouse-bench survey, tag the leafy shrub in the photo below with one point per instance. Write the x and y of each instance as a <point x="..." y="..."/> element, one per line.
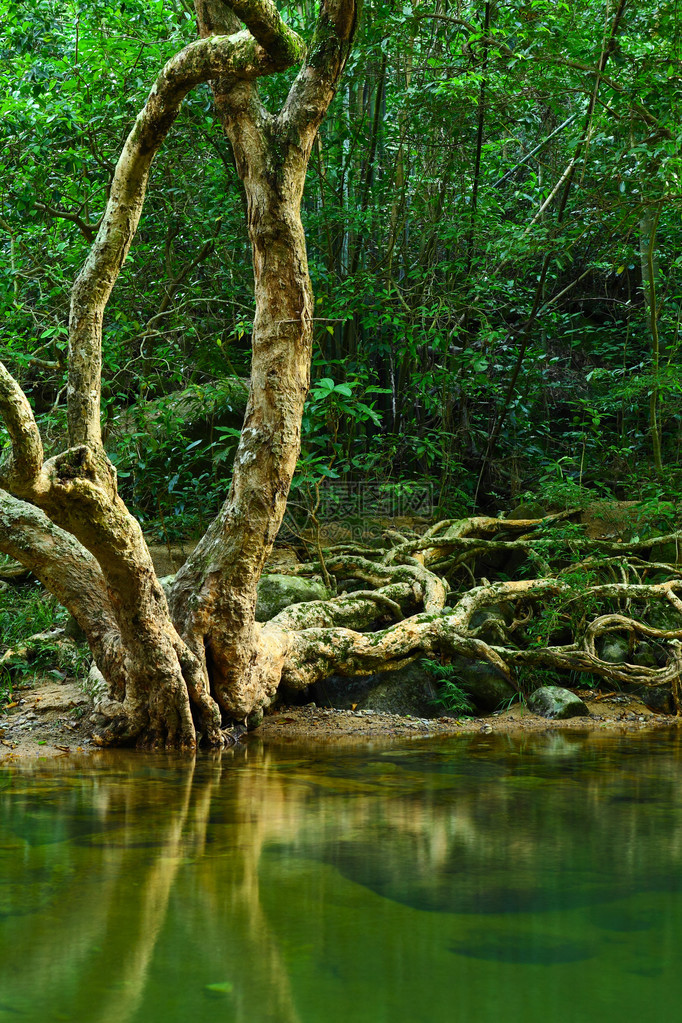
<point x="450" y="694"/>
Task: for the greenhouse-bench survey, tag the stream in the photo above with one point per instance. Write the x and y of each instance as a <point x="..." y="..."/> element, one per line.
<point x="525" y="878"/>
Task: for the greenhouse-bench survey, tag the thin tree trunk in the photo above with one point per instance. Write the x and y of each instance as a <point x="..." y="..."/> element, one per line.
<point x="648" y="227"/>
<point x="567" y="181"/>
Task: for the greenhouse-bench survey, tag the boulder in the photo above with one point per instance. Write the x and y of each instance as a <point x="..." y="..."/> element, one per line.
<point x="342" y="693"/>
<point x="528" y="510"/>
<point x="656" y="698"/>
<point x="72" y="630"/>
<point x="647" y="655"/>
<point x="411" y="690"/>
<point x="275" y="592"/>
<point x="487" y="687"/>
<point x="194" y="412"/>
<point x="669" y="553"/>
<point x="614" y="649"/>
<point x="556" y="702"/>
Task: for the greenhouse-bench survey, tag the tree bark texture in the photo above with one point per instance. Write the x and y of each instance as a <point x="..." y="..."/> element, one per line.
<point x="163" y="679"/>
<point x="180" y="671"/>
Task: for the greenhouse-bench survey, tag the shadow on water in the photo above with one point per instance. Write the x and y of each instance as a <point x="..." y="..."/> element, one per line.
<point x="382" y="885"/>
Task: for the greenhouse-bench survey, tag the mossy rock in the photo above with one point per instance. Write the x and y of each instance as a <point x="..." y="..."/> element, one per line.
<point x="342" y="693"/>
<point x="668" y="553"/>
<point x="614" y="649"/>
<point x="275" y="592"/>
<point x="408" y="691"/>
<point x="649" y="655"/>
<point x="528" y="510"/>
<point x="485" y="686"/>
<point x="556" y="703"/>
<point x="656" y="698"/>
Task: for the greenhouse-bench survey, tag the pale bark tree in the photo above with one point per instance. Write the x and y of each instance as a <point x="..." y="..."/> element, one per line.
<point x="155" y="675"/>
<point x="181" y="670"/>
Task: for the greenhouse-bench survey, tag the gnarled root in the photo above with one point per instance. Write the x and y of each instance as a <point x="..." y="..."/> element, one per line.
<point x="591" y="589"/>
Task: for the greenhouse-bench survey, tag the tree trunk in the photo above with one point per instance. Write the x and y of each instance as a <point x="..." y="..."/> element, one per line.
<point x="648" y="227"/>
<point x="180" y="673"/>
<point x="168" y="679"/>
<point x="214" y="595"/>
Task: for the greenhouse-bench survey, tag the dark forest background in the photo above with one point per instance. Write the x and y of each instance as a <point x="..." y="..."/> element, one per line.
<point x="493" y="222"/>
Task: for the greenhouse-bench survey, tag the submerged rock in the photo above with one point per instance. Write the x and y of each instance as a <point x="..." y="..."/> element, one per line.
<point x="622" y="918"/>
<point x="534" y="948"/>
<point x="275" y="592"/>
<point x="556" y="702"/>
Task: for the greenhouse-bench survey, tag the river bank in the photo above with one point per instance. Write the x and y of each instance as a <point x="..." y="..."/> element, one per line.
<point x="51" y="720"/>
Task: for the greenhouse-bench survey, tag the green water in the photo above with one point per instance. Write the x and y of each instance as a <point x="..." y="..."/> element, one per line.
<point x="479" y="879"/>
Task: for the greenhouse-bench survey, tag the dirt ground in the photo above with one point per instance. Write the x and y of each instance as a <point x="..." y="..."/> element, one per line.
<point x="615" y="713"/>
<point x="50" y="720"/>
<point x="46" y="720"/>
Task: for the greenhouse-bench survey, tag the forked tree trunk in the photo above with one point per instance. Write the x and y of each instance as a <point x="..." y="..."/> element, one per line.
<point x="179" y="673"/>
<point x="214" y="596"/>
<point x="170" y="677"/>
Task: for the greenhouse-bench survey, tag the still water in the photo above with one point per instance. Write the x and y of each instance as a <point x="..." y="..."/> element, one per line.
<point x="479" y="879"/>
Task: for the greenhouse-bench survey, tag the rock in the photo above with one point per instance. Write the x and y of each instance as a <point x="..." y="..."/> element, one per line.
<point x="195" y="412"/>
<point x="487" y="687"/>
<point x="275" y="592"/>
<point x="255" y="719"/>
<point x="556" y="702"/>
<point x="614" y="649"/>
<point x="72" y="630"/>
<point x="623" y="519"/>
<point x="668" y="553"/>
<point x="645" y="656"/>
<point x="342" y="693"/>
<point x="663" y="615"/>
<point x="528" y="510"/>
<point x="411" y="690"/>
<point x="656" y="698"/>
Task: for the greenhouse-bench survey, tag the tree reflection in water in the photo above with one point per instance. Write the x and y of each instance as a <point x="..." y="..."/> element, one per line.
<point x="230" y="886"/>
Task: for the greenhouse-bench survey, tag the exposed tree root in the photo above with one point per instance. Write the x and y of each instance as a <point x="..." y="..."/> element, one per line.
<point x="428" y="595"/>
<point x="592" y="589"/>
<point x="181" y="671"/>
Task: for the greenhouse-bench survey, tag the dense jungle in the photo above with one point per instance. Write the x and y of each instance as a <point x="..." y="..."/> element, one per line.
<point x="468" y="390"/>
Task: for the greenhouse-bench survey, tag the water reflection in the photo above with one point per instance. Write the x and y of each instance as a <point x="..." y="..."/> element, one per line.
<point x="476" y="877"/>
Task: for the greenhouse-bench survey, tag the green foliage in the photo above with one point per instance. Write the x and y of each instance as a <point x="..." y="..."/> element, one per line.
<point x="442" y="275"/>
<point x="532" y="678"/>
<point x="450" y="694"/>
<point x="569" y="614"/>
<point x="25" y="611"/>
